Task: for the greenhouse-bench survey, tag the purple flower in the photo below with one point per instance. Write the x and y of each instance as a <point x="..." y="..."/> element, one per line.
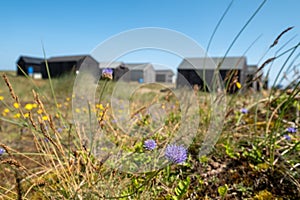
<point x="107" y="73"/>
<point x="150" y="144"/>
<point x="291" y="130"/>
<point x="244" y="110"/>
<point x="2" y="151"/>
<point x="287" y="137"/>
<point x="59" y="130"/>
<point x="176" y="154"/>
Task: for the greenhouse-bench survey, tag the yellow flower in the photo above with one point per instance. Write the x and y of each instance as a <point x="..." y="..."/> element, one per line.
<point x="45" y="118"/>
<point x="77" y="110"/>
<point x="34" y="105"/>
<point x="3" y="114"/>
<point x="16" y="105"/>
<point x="26" y="115"/>
<point x="1" y="98"/>
<point x="6" y="110"/>
<point x="28" y="106"/>
<point x="59" y="105"/>
<point x="100" y="106"/>
<point x="18" y="115"/>
<point x="68" y="99"/>
<point x="100" y="114"/>
<point x="39" y="111"/>
<point x="238" y="85"/>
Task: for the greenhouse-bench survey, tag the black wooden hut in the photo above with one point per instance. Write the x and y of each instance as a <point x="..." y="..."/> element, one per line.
<point x="196" y="71"/>
<point x="67" y="64"/>
<point x="24" y="63"/>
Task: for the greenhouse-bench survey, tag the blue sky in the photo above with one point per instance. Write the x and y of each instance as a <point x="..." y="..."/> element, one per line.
<point x="78" y="26"/>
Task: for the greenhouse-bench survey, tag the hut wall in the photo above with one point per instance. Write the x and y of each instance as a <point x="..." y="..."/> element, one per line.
<point x="119" y="72"/>
<point x="25" y="65"/>
<point x="149" y="75"/>
<point x="191" y="77"/>
<point x="57" y="69"/>
<point x="136" y="75"/>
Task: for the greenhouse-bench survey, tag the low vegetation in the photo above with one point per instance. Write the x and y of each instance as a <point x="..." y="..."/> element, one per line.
<point x="43" y="155"/>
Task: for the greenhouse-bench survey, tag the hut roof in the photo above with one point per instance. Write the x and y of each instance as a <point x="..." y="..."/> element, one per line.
<point x="32" y="60"/>
<point x="138" y="66"/>
<point x="67" y="58"/>
<point x="112" y="65"/>
<point x="252" y="68"/>
<point x="165" y="71"/>
<point x="211" y="63"/>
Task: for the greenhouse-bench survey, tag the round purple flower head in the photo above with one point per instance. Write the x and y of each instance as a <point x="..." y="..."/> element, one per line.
<point x="244" y="111"/>
<point x="150" y="144"/>
<point x="59" y="130"/>
<point x="287" y="137"/>
<point x="2" y="151"/>
<point x="176" y="154"/>
<point x="291" y="130"/>
<point x="107" y="73"/>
